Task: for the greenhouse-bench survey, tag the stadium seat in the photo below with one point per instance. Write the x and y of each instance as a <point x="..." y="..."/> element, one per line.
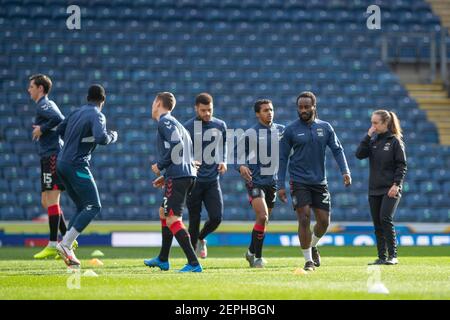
<point x="240" y="51"/>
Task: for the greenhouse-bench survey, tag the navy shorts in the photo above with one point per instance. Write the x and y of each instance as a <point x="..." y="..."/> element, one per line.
<point x="267" y="192"/>
<point x="176" y="192"/>
<point x="49" y="177"/>
<point x="316" y="196"/>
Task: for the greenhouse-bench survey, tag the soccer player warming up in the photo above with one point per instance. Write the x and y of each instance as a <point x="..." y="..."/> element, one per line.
<point x="207" y="187"/>
<point x="82" y="130"/>
<point x="260" y="175"/>
<point x="308" y="137"/>
<point x="175" y="158"/>
<point x="48" y="117"/>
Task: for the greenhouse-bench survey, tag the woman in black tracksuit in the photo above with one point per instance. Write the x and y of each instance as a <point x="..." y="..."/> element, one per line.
<point x="385" y="149"/>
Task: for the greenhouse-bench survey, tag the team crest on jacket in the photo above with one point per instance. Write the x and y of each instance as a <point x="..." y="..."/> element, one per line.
<point x="319" y="132"/>
<point x="386" y="146"/>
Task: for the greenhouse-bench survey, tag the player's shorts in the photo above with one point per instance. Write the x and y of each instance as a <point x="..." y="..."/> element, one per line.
<point x="316" y="196"/>
<point x="267" y="192"/>
<point x="175" y="195"/>
<point x="49" y="177"/>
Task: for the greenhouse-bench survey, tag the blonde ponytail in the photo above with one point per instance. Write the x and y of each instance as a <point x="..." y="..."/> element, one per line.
<point x="394" y="126"/>
<point x="391" y="119"/>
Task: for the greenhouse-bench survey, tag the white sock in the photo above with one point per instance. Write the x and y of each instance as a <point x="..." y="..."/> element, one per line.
<point x="70" y="237"/>
<point x="307" y="254"/>
<point x="52" y="244"/>
<point x="314" y="240"/>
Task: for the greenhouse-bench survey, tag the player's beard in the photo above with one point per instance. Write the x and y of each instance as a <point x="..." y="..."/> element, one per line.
<point x="308" y="117"/>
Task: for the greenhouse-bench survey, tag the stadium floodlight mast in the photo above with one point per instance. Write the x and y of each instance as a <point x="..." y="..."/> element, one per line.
<point x="249" y="148"/>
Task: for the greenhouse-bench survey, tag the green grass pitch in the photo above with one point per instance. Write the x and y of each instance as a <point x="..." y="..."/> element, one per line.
<point x="423" y="273"/>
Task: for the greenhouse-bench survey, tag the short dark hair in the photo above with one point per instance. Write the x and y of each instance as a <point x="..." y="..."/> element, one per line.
<point x="307" y="94"/>
<point x="42" y="80"/>
<point x="203" y="98"/>
<point x="260" y="102"/>
<point x="96" y="94"/>
<point x="167" y="99"/>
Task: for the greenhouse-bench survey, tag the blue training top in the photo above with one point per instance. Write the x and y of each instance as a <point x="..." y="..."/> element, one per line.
<point x="175" y="151"/>
<point x="48" y="116"/>
<point x="216" y="128"/>
<point x="82" y="131"/>
<point x="264" y="171"/>
<point x="307" y="162"/>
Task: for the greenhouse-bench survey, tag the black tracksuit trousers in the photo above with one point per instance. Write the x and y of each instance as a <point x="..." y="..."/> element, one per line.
<point x="382" y="209"/>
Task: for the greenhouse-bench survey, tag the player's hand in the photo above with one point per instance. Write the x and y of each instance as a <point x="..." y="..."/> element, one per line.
<point x="371" y="131"/>
<point x="222" y="168"/>
<point x="114" y="136"/>
<point x="393" y="191"/>
<point x="196" y="164"/>
<point x="156" y="170"/>
<point x="347" y="180"/>
<point x="245" y="173"/>
<point x="159" y="182"/>
<point x="37" y="133"/>
<point x="282" y="195"/>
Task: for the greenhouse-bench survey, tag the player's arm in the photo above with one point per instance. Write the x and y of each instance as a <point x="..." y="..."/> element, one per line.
<point x="223" y="165"/>
<point x="61" y="129"/>
<point x="171" y="137"/>
<point x="53" y="119"/>
<point x="285" y="150"/>
<point x="101" y="135"/>
<point x="338" y="153"/>
<point x="241" y="155"/>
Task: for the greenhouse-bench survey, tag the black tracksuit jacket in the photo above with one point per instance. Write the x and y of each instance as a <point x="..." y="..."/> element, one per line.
<point x="387" y="161"/>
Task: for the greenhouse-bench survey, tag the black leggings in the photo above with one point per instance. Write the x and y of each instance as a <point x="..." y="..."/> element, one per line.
<point x="382" y="209"/>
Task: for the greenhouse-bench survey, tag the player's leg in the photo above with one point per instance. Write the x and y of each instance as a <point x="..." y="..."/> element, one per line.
<point x="375" y="208"/>
<point x="214" y="206"/>
<point x="162" y="260"/>
<point x="302" y="199"/>
<point x="321" y="203"/>
<point x="194" y="206"/>
<point x="259" y="229"/>
<point x="257" y="200"/>
<point x="387" y="211"/>
<point x="57" y="185"/>
<point x="50" y="250"/>
<point x="173" y="211"/>
<point x="54" y="212"/>
<point x="319" y="230"/>
<point x="304" y="233"/>
<point x="85" y="187"/>
<point x="49" y="197"/>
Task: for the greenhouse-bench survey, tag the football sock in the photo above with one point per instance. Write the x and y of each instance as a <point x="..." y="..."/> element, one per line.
<point x="258" y="235"/>
<point x="62" y="223"/>
<point x="307" y="254"/>
<point x="53" y="221"/>
<point x="314" y="240"/>
<point x="52" y="244"/>
<point x="166" y="243"/>
<point x="184" y="239"/>
<point x="70" y="237"/>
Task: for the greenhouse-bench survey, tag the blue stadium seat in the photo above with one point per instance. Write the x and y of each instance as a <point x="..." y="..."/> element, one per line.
<point x="12" y="213"/>
<point x="240" y="51"/>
